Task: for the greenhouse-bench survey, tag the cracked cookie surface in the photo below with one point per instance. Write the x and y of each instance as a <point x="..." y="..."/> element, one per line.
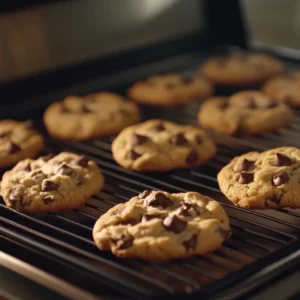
<point x="18" y="140"/>
<point x="246" y="112"/>
<point x="285" y="88"/>
<point x="170" y="90"/>
<point x="92" y="116"/>
<point x="157" y="225"/>
<point x="262" y="180"/>
<point x="241" y="68"/>
<point x="49" y="184"/>
<point x="158" y="145"/>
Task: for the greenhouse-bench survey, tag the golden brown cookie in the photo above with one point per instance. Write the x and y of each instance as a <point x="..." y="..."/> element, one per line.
<point x="18" y="140"/>
<point x="47" y="184"/>
<point x="247" y="112"/>
<point x="158" y="145"/>
<point x="241" y="68"/>
<point x="170" y="90"/>
<point x="160" y="226"/>
<point x="91" y="116"/>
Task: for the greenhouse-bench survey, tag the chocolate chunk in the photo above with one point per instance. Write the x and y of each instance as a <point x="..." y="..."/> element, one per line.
<point x="29" y="125"/>
<point x="271" y="104"/>
<point x="47" y="157"/>
<point x="244" y="165"/>
<point x="124" y="242"/>
<point x="148" y="217"/>
<point x="190" y="243"/>
<point x="224" y="233"/>
<point x="198" y="139"/>
<point x="159" y="127"/>
<point x="64" y="109"/>
<point x="223" y="105"/>
<point x="38" y="175"/>
<point x="5" y="134"/>
<point x="14" y="196"/>
<point x="68" y="171"/>
<point x="138" y="139"/>
<point x="187" y="208"/>
<point x="84" y="109"/>
<point x="280" y="179"/>
<point x="81" y="161"/>
<point x="48" y="185"/>
<point x="246" y="178"/>
<point x="251" y="103"/>
<point x="174" y="224"/>
<point x="281" y="160"/>
<point x="192" y="157"/>
<point x="12" y="148"/>
<point x="27" y="167"/>
<point x="144" y="194"/>
<point x="186" y="80"/>
<point x="178" y="139"/>
<point x="133" y="154"/>
<point x="275" y="199"/>
<point x="158" y="199"/>
<point x="48" y="199"/>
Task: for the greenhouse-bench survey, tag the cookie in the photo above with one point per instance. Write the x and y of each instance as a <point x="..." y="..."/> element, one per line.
<point x="170" y="90"/>
<point x="241" y="68"/>
<point x="49" y="184"/>
<point x="285" y="88"/>
<point x="247" y="112"/>
<point x="158" y="145"/>
<point x="261" y="180"/>
<point x="91" y="116"/>
<point x="157" y="225"/>
<point x="18" y="140"/>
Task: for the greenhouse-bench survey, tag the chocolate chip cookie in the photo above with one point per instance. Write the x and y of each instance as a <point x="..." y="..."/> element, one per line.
<point x="91" y="116"/>
<point x="241" y="68"/>
<point x="157" y="225"/>
<point x="18" y="140"/>
<point x="170" y="90"/>
<point x="158" y="145"/>
<point x="261" y="180"/>
<point x="51" y="183"/>
<point x="247" y="112"/>
<point x="285" y="88"/>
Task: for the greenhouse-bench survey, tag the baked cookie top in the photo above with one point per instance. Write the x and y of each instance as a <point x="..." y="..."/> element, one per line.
<point x="18" y="140"/>
<point x="241" y="68"/>
<point x="51" y="183"/>
<point x="285" y="88"/>
<point x="269" y="179"/>
<point x="94" y="115"/>
<point x="170" y="90"/>
<point x="158" y="145"/>
<point x="157" y="225"/>
<point x="247" y="112"/>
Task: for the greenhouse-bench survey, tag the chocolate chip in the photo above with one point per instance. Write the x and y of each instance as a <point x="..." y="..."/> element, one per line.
<point x="192" y="157"/>
<point x="281" y="160"/>
<point x="48" y="199"/>
<point x="81" y="161"/>
<point x="29" y="125"/>
<point x="190" y="243"/>
<point x="251" y="103"/>
<point x="275" y="199"/>
<point x="244" y="165"/>
<point x="148" y="217"/>
<point x="47" y="157"/>
<point x="178" y="139"/>
<point x="38" y="175"/>
<point x="68" y="171"/>
<point x="138" y="139"/>
<point x="64" y="109"/>
<point x="133" y="154"/>
<point x="198" y="139"/>
<point x="14" y="196"/>
<point x="187" y="208"/>
<point x="280" y="179"/>
<point x="174" y="224"/>
<point x="144" y="194"/>
<point x="246" y="178"/>
<point x="159" y="127"/>
<point x="84" y="109"/>
<point x="158" y="199"/>
<point x="224" y="233"/>
<point x="288" y="99"/>
<point x="271" y="104"/>
<point x="27" y="167"/>
<point x="186" y="80"/>
<point x="223" y="105"/>
<point x="48" y="185"/>
<point x="13" y="148"/>
<point x="124" y="242"/>
<point x="5" y="134"/>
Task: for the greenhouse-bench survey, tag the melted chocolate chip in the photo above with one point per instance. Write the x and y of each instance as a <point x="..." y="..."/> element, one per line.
<point x="68" y="171"/>
<point x="84" y="109"/>
<point x="288" y="99"/>
<point x="38" y="175"/>
<point x="178" y="139"/>
<point x="48" y="185"/>
<point x="280" y="179"/>
<point x="174" y="224"/>
<point x="190" y="243"/>
<point x="14" y="197"/>
<point x="47" y="157"/>
<point x="271" y="104"/>
<point x="223" y="105"/>
<point x="144" y="194"/>
<point x="81" y="161"/>
<point x="244" y="165"/>
<point x="188" y="208"/>
<point x="186" y="80"/>
<point x="64" y="109"/>
<point x="275" y="199"/>
<point x="170" y="85"/>
<point x="138" y="139"/>
<point x="192" y="157"/>
<point x="27" y="167"/>
<point x="133" y="154"/>
<point x="159" y="127"/>
<point x="198" y="139"/>
<point x="246" y="178"/>
<point x="48" y="199"/>
<point x="5" y="134"/>
<point x="281" y="160"/>
<point x="224" y="233"/>
<point x="148" y="217"/>
<point x="124" y="242"/>
<point x="13" y="148"/>
<point x="158" y="199"/>
<point x="251" y="103"/>
<point x="29" y="125"/>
